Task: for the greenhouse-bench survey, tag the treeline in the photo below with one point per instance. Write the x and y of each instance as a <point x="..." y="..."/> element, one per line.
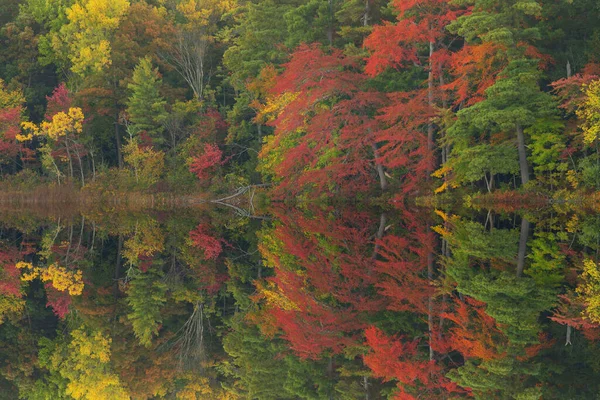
<point x="326" y="95"/>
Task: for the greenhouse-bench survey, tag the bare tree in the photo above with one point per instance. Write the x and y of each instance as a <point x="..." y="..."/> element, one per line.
<point x="189" y="56"/>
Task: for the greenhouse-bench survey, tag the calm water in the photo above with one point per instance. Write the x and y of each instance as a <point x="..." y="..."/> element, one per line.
<point x="312" y="303"/>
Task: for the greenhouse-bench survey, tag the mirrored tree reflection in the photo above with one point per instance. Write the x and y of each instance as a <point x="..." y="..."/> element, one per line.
<point x="318" y="302"/>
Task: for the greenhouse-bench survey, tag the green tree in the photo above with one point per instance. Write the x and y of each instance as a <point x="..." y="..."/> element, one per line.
<point x="146" y="296"/>
<point x="145" y="106"/>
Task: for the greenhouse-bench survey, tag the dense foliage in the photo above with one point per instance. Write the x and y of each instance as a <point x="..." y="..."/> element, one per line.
<point x="319" y="102"/>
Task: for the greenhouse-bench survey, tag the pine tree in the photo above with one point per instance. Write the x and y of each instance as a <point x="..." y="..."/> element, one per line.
<point x="145" y="106"/>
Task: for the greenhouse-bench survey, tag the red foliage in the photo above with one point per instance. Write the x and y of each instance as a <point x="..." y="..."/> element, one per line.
<point x="205" y="163"/>
<point x="60" y="100"/>
<point x="9" y="128"/>
<point x="404" y="142"/>
<point x="570" y="312"/>
<point x="10" y="280"/>
<point x="58" y="300"/>
<point x="475" y="68"/>
<point x="419" y="22"/>
<point x="475" y="334"/>
<point x="145" y="262"/>
<point x="570" y="90"/>
<point x="330" y="122"/>
<point x="397" y="359"/>
<point x="211" y="125"/>
<point x="211" y="246"/>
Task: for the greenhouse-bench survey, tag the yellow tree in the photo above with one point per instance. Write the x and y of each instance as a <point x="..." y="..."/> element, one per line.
<point x="85" y="364"/>
<point x="589" y="112"/>
<point x="589" y="290"/>
<point x="86" y="38"/>
<point x="59" y="277"/>
<point x="61" y="132"/>
<point x="146" y="162"/>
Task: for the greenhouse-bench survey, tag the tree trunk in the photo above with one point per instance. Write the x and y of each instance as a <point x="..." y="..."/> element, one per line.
<point x="430" y="305"/>
<point x="69" y="156"/>
<point x="118" y="139"/>
<point x="383" y="183"/>
<point x="430" y="130"/>
<point x="524" y="167"/>
<point x="118" y="266"/>
<point x="330" y="28"/>
<point x="525" y="225"/>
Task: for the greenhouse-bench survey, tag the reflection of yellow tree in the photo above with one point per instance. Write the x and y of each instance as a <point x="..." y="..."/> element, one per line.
<point x="10" y="305"/>
<point x="85" y="363"/>
<point x="147" y="239"/>
<point x="589" y="289"/>
<point x="59" y="277"/>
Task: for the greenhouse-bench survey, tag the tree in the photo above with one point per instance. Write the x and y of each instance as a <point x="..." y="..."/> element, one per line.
<point x="146" y="295"/>
<point x="147" y="163"/>
<point x="86" y="38"/>
<point x="60" y="132"/>
<point x="515" y="101"/>
<point x="190" y="50"/>
<point x="145" y="106"/>
<point x="84" y="361"/>
<point x="11" y="108"/>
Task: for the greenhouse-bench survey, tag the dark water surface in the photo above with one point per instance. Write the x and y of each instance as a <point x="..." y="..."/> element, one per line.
<point x="317" y="302"/>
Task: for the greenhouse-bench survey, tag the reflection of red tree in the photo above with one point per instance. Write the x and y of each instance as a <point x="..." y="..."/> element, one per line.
<point x="59" y="301"/>
<point x="10" y="280"/>
<point x="398" y="359"/>
<point x="474" y="334"/>
<point x="210" y="245"/>
<point x="322" y="290"/>
<point x="570" y="313"/>
<point x="10" y="276"/>
<point x="207" y="270"/>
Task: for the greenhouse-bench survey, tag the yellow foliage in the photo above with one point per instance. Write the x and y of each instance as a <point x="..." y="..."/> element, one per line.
<point x="572" y="178"/>
<point x="204" y="12"/>
<point x="198" y="388"/>
<point x="147" y="239"/>
<point x="147" y="163"/>
<point x="442" y="188"/>
<point x="441" y="230"/>
<point x="86" y="367"/>
<point x="89" y="31"/>
<point x="23" y="265"/>
<point x="10" y="99"/>
<point x="275" y="298"/>
<point x="573" y="224"/>
<point x="274" y="106"/>
<point x="441" y="172"/>
<point x="10" y="305"/>
<point x="589" y="112"/>
<point x="442" y="214"/>
<point x="589" y="289"/>
<point x="60" y="278"/>
<point x="62" y="124"/>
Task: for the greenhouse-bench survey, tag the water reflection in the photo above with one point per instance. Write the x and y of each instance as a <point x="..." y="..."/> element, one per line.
<point x="313" y="303"/>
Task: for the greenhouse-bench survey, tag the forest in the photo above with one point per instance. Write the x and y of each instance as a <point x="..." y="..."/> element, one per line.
<point x="299" y="199"/>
